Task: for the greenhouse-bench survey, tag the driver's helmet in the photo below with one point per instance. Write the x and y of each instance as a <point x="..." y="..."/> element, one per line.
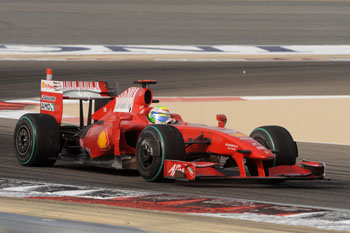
<point x="159" y="115"/>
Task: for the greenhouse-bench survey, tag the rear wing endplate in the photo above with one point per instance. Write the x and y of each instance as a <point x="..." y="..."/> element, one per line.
<point x="53" y="92"/>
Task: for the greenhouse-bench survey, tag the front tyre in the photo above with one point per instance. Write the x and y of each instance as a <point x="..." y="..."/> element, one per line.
<point x="36" y="140"/>
<point x="155" y="144"/>
<point x="278" y="139"/>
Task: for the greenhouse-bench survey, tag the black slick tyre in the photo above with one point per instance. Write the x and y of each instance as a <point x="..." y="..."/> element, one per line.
<point x="37" y="140"/>
<point x="155" y="144"/>
<point x="278" y="139"/>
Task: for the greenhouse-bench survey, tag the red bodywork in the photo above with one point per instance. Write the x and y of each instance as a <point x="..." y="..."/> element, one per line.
<point x="120" y="122"/>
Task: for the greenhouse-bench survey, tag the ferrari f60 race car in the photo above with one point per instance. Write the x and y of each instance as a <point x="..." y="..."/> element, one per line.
<point x="121" y="136"/>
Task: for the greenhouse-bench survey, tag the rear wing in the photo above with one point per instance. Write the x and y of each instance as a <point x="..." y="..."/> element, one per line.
<point x="53" y="92"/>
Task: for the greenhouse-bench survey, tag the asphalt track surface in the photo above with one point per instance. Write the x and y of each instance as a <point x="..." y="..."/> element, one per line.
<point x="28" y="224"/>
<point x="253" y="22"/>
<point x="20" y="80"/>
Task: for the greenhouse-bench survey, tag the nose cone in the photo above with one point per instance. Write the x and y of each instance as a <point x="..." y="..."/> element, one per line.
<point x="262" y="154"/>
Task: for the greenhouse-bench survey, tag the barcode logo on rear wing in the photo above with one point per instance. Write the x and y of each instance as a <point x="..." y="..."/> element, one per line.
<point x="85" y="90"/>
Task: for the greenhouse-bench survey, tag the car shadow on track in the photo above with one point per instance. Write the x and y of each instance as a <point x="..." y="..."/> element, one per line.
<point x="93" y="169"/>
<point x="327" y="185"/>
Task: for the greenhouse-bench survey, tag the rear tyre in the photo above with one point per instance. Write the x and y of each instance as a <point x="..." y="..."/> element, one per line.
<point x="274" y="138"/>
<point x="155" y="144"/>
<point x="37" y="140"/>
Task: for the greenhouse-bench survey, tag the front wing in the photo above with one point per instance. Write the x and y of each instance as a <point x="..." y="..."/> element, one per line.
<point x="188" y="171"/>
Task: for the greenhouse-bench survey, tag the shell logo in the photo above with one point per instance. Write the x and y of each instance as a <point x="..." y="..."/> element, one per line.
<point x="239" y="135"/>
<point x="103" y="141"/>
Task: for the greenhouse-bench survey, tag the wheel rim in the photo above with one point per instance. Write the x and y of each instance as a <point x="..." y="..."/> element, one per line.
<point x="23" y="139"/>
<point x="147" y="155"/>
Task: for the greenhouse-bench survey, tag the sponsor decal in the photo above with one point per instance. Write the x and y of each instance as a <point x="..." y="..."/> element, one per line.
<point x="48" y="86"/>
<point x="84" y="89"/>
<point x="103" y="140"/>
<point x="174" y="168"/>
<point x="125" y="101"/>
<point x="47" y="106"/>
<point x="239" y="135"/>
<point x="81" y="85"/>
<point x="231" y="146"/>
<point x="48" y="98"/>
<point x="190" y="170"/>
<point x="258" y="145"/>
<point x="51" y="86"/>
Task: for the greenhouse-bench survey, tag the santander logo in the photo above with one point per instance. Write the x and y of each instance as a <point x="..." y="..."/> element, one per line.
<point x="174" y="168"/>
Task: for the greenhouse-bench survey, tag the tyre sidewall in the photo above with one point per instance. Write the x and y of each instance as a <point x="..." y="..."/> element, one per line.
<point x="171" y="144"/>
<point x="153" y="137"/>
<point x="45" y="140"/>
<point x="26" y="159"/>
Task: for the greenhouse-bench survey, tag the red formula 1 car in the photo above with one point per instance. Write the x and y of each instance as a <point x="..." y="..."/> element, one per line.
<point x="121" y="136"/>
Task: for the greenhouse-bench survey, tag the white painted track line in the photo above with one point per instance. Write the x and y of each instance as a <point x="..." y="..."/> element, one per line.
<point x="174" y="49"/>
<point x="183" y="53"/>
